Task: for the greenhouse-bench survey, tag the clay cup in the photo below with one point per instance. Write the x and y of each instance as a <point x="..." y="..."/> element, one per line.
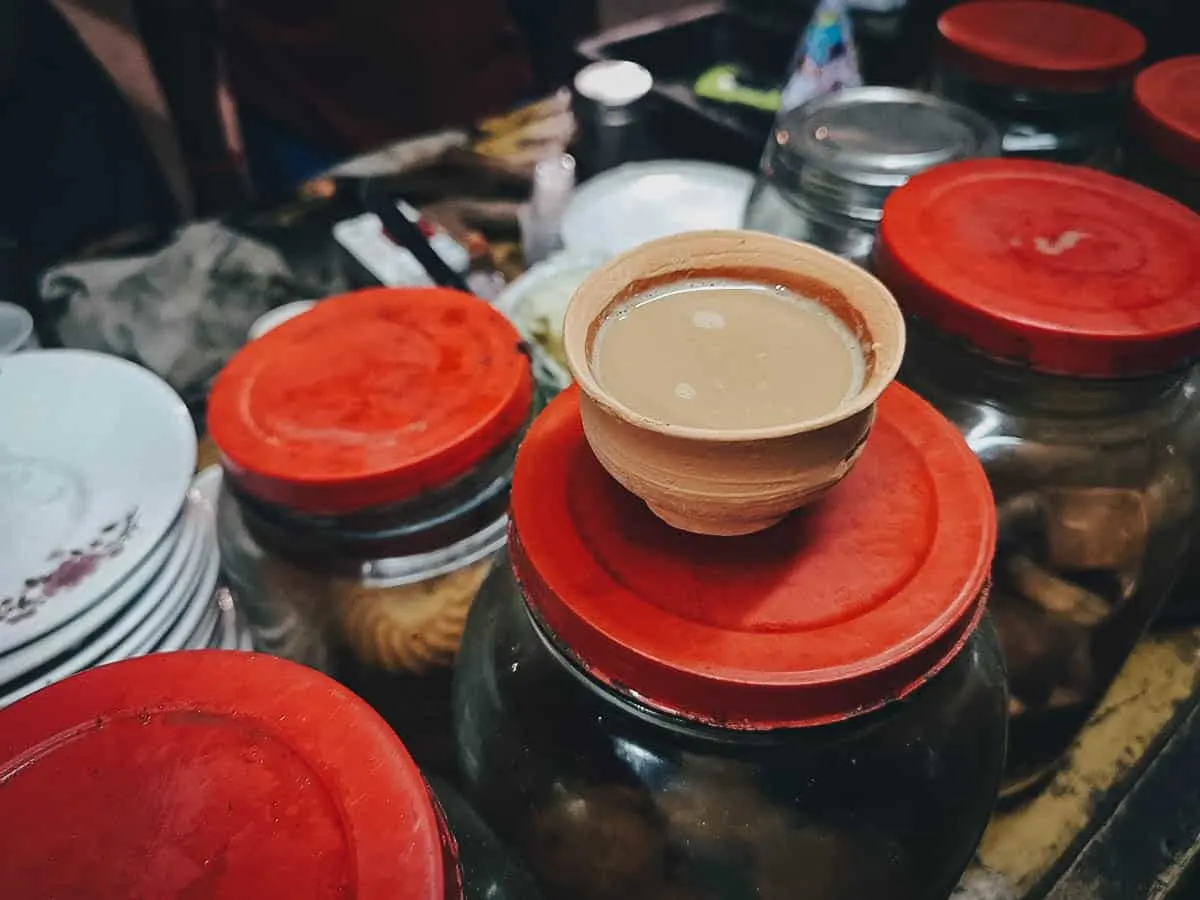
<point x="725" y="481"/>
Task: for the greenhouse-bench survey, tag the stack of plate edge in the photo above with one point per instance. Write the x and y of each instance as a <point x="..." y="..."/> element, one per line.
<point x="111" y="552"/>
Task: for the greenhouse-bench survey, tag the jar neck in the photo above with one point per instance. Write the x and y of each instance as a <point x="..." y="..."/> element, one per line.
<point x="934" y="361"/>
<point x="377" y="538"/>
<point x="1073" y="105"/>
<point x="816" y="189"/>
<point x="699" y="733"/>
<point x="435" y="521"/>
<point x="1068" y="127"/>
<point x="431" y="522"/>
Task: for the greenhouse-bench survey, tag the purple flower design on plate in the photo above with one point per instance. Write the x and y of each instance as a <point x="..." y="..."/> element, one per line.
<point x="70" y="572"/>
<point x="67" y="569"/>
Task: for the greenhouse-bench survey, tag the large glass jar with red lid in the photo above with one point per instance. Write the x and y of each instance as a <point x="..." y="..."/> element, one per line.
<point x="1053" y="313"/>
<point x="647" y="714"/>
<point x="1053" y="76"/>
<point x="368" y="449"/>
<point x="1163" y="148"/>
<point x="223" y="774"/>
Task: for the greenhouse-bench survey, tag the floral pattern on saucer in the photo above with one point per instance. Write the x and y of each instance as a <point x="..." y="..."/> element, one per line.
<point x="68" y="568"/>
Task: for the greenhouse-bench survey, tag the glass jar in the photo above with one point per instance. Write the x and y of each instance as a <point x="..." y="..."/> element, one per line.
<point x="1054" y="77"/>
<point x="649" y="714"/>
<point x="1053" y="311"/>
<point x="1163" y="151"/>
<point x="226" y="774"/>
<point x="1184" y="603"/>
<point x="830" y="163"/>
<point x="368" y="450"/>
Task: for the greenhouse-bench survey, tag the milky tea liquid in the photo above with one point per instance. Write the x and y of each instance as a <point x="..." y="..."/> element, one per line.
<point x="724" y="354"/>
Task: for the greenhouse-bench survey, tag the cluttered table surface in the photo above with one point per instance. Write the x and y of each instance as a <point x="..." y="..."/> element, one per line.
<point x="1102" y="828"/>
<point x="1027" y="850"/>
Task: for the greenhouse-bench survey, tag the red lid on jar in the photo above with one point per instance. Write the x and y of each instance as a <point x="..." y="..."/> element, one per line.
<point x="1061" y="268"/>
<point x="1167" y="109"/>
<point x="371" y="398"/>
<point x="842" y="607"/>
<point x="213" y="774"/>
<point x="1039" y="44"/>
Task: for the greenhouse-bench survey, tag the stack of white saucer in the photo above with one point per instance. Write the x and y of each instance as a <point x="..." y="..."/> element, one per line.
<point x="108" y="545"/>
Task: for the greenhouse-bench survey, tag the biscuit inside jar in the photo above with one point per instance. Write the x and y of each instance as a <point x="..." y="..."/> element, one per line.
<point x="408" y="628"/>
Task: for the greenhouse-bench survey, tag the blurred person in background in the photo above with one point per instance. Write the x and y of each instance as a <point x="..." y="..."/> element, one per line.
<point x="316" y="81"/>
<point x="88" y="150"/>
<point x="119" y="121"/>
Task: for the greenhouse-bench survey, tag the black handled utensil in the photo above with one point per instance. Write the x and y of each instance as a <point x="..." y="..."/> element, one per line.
<point x="404" y="232"/>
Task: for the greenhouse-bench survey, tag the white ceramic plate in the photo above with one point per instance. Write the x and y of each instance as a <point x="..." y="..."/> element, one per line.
<point x="231" y="633"/>
<point x="158" y="572"/>
<point x="163" y="600"/>
<point x="144" y="634"/>
<point x="638" y="202"/>
<point x="16" y="329"/>
<point x="201" y="602"/>
<point x="202" y="497"/>
<point x="275" y="317"/>
<point x="95" y="458"/>
<point x="207" y="634"/>
<point x="199" y="606"/>
<point x="537" y="301"/>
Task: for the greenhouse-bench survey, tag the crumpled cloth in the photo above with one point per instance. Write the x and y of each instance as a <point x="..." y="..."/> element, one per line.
<point x="181" y="312"/>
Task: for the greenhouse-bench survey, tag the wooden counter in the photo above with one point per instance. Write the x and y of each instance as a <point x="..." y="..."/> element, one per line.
<point x="1026" y="849"/>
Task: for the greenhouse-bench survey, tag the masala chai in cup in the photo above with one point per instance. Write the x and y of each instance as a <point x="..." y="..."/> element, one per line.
<point x="723" y="353"/>
<point x="730" y="377"/>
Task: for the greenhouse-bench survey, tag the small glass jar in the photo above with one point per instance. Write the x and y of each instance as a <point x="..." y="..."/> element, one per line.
<point x="647" y="714"/>
<point x="830" y="163"/>
<point x="1163" y="150"/>
<point x="225" y="774"/>
<point x="1053" y="311"/>
<point x="368" y="450"/>
<point x="1054" y="77"/>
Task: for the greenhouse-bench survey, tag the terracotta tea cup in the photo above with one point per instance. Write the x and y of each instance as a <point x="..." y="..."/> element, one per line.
<point x="732" y="481"/>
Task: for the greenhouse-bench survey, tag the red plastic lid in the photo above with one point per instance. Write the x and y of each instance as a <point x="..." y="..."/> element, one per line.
<point x="1061" y="268"/>
<point x="212" y="774"/>
<point x="1167" y="109"/>
<point x="371" y="398"/>
<point x="840" y="608"/>
<point x="1039" y="44"/>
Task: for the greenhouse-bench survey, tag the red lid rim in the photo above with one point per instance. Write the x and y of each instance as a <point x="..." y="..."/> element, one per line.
<point x="975" y="602"/>
<point x="763" y="701"/>
<point x="1102" y="342"/>
<point x="352" y="494"/>
<point x="451" y="870"/>
<point x="336" y="481"/>
<point x="1175" y="140"/>
<point x="298" y="474"/>
<point x="363" y="766"/>
<point x="964" y="31"/>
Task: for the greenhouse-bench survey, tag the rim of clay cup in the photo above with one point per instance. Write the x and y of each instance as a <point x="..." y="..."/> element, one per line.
<point x="698" y="254"/>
